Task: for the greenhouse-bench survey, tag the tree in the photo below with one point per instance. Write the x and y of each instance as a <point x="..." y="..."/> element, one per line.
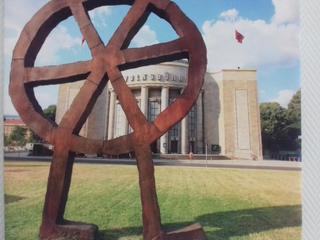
<point x="50" y="112"/>
<point x="18" y="136"/>
<point x="273" y="121"/>
<point x="294" y="118"/>
<point x="33" y="138"/>
<point x="294" y="110"/>
<point x="281" y="127"/>
<point x="6" y="140"/>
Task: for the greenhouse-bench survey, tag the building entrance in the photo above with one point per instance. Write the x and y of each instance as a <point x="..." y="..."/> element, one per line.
<point x="174" y="146"/>
<point x="155" y="147"/>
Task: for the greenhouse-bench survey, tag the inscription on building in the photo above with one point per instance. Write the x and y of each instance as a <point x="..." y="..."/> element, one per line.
<point x="160" y="77"/>
<point x="242" y="115"/>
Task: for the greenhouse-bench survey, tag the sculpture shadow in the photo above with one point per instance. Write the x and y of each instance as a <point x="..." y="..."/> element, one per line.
<point x="224" y="225"/>
<point x="12" y="198"/>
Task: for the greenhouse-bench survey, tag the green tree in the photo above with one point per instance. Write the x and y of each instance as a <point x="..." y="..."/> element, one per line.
<point x="33" y="138"/>
<point x="294" y="109"/>
<point x="281" y="127"/>
<point x="6" y="140"/>
<point x="18" y="136"/>
<point x="50" y="112"/>
<point x="273" y="121"/>
<point x="294" y="119"/>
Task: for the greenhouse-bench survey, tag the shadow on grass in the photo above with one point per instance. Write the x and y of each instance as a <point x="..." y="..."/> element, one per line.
<point x="12" y="198"/>
<point x="223" y="225"/>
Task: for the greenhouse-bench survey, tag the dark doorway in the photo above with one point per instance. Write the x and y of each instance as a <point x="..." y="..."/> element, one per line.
<point x="174" y="146"/>
<point x="154" y="147"/>
<point x="192" y="147"/>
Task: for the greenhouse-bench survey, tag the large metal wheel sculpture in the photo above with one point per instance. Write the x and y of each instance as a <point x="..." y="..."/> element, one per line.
<point x="106" y="64"/>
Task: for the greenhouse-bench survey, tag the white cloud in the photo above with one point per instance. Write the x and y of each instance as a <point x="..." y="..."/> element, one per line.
<point x="9" y="43"/>
<point x="99" y="15"/>
<point x="47" y="94"/>
<point x="265" y="43"/>
<point x="284" y="97"/>
<point x="17" y="14"/>
<point x="59" y="40"/>
<point x="230" y="15"/>
<point x="8" y="107"/>
<point x="146" y="36"/>
<point x="286" y="11"/>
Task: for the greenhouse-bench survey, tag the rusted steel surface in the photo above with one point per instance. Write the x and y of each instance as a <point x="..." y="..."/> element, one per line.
<point x="107" y="63"/>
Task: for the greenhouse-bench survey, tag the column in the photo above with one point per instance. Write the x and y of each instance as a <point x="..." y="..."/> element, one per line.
<point x="111" y="114"/>
<point x="107" y="107"/>
<point x="184" y="136"/>
<point x="200" y="125"/>
<point x="126" y="124"/>
<point x="164" y="105"/>
<point x="144" y="100"/>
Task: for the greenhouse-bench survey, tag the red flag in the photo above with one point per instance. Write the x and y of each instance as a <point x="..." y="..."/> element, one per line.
<point x="83" y="39"/>
<point x="239" y="37"/>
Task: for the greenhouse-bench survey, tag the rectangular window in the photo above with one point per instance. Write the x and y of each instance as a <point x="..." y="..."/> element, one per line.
<point x="174" y="132"/>
<point x="192" y="122"/>
<point x="154" y="109"/>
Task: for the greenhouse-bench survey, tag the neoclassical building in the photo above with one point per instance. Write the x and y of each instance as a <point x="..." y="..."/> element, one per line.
<point x="225" y="119"/>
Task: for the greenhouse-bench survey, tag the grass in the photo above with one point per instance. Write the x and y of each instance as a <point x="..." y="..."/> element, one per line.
<point x="229" y="204"/>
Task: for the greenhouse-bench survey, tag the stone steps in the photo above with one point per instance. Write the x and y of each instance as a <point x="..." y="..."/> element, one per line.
<point x="186" y="156"/>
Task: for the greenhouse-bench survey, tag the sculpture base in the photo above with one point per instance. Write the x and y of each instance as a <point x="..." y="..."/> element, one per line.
<point x="69" y="230"/>
<point x="192" y="232"/>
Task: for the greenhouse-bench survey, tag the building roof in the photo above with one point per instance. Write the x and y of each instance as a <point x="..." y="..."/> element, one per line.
<point x="14" y="122"/>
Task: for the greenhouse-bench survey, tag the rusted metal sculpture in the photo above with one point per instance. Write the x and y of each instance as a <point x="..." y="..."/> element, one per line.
<point x="106" y="64"/>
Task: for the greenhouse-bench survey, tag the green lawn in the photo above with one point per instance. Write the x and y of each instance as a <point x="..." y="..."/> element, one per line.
<point x="230" y="204"/>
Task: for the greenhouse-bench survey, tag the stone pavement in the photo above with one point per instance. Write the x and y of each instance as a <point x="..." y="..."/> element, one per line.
<point x="264" y="164"/>
<point x="239" y="164"/>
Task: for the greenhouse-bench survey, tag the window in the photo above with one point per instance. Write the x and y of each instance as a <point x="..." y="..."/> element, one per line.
<point x="154" y="109"/>
<point x="136" y="93"/>
<point x="192" y="122"/>
<point x="192" y="129"/>
<point x="174" y="132"/>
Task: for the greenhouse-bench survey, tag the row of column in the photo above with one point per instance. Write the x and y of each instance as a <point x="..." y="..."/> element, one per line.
<point x="164" y="104"/>
<point x="144" y="96"/>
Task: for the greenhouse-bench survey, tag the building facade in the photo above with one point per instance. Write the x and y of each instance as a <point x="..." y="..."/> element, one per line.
<point x="10" y="124"/>
<point x="225" y="119"/>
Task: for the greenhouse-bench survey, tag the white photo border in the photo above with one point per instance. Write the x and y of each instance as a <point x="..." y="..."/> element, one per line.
<point x="310" y="76"/>
<point x="2" y="234"/>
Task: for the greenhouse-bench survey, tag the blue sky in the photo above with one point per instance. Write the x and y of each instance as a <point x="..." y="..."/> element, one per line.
<point x="270" y="27"/>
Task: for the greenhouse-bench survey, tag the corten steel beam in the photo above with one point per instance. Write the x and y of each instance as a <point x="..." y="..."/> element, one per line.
<point x="106" y="64"/>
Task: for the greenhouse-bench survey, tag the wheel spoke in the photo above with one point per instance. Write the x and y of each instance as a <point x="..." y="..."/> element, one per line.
<point x="87" y="29"/>
<point x="116" y="146"/>
<point x="83" y="102"/>
<point x="120" y="145"/>
<point x="135" y="18"/>
<point x="57" y="74"/>
<point x="126" y="99"/>
<point x="162" y="52"/>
